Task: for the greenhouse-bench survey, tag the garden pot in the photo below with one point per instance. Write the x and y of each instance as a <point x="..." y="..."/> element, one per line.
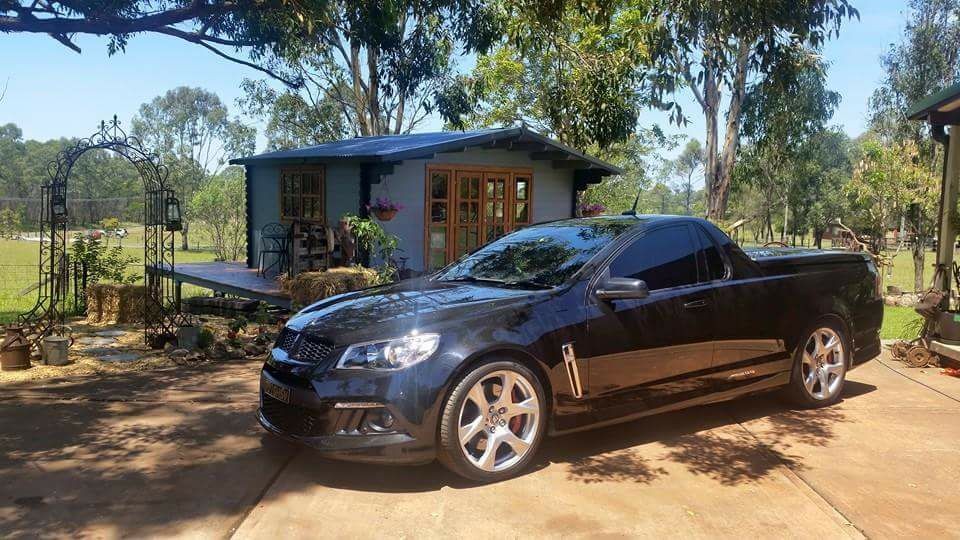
<point x="591" y="213"/>
<point x="188" y="337"/>
<point x="55" y="350"/>
<point x="384" y="215"/>
<point x="15" y="350"/>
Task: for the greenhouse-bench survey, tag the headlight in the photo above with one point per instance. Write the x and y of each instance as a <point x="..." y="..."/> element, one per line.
<point x="389" y="354"/>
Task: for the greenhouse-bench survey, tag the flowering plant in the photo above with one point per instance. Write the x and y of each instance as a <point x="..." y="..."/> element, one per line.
<point x="592" y="209"/>
<point x="384" y="204"/>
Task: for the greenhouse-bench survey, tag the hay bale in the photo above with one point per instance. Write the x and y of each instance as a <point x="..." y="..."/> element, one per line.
<point x="120" y="304"/>
<point x="94" y="303"/>
<point x="309" y="287"/>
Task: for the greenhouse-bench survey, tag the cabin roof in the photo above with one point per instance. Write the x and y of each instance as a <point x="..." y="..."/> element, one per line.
<point x="396" y="148"/>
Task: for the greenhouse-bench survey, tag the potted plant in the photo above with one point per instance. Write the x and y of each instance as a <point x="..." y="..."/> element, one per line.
<point x="384" y="208"/>
<point x="591" y="210"/>
<point x="235" y="327"/>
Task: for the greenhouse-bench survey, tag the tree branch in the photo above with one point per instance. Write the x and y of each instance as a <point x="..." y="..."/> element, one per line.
<point x="271" y="73"/>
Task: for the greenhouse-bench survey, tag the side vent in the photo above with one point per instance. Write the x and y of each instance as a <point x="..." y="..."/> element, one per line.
<point x="573" y="372"/>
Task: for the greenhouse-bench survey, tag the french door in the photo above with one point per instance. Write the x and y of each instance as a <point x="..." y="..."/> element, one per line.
<point x="470" y="206"/>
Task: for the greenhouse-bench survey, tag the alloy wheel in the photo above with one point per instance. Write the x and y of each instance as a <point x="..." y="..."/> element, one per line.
<point x="499" y="420"/>
<point x="823" y="364"/>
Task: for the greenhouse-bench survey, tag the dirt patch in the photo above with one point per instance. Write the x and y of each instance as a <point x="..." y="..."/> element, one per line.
<point x="94" y="352"/>
<point x="118" y="348"/>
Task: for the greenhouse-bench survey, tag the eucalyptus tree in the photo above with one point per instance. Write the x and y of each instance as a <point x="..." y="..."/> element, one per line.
<point x="888" y="178"/>
<point x="376" y="67"/>
<point x="570" y="71"/>
<point x="293" y="119"/>
<point x="925" y="61"/>
<point x="690" y="161"/>
<point x="717" y="51"/>
<point x="780" y="115"/>
<point x="224" y="27"/>
<point x="192" y="130"/>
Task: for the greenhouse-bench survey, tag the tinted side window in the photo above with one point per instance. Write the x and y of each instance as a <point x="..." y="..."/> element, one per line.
<point x="663" y="258"/>
<point x="710" y="256"/>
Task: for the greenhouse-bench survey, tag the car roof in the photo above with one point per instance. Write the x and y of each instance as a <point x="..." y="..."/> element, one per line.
<point x="641" y="220"/>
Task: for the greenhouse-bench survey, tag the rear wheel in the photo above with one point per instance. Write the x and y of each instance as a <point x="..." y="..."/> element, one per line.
<point x="820" y="366"/>
<point x="492" y="422"/>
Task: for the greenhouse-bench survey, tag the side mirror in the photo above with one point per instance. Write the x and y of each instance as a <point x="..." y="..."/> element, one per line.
<point x="622" y="289"/>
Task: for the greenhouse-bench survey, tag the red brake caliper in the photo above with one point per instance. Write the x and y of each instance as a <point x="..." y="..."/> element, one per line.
<point x="515" y="423"/>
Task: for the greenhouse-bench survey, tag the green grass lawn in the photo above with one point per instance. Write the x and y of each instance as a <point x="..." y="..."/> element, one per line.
<point x="902" y="272"/>
<point x="18" y="270"/>
<point x="900" y="323"/>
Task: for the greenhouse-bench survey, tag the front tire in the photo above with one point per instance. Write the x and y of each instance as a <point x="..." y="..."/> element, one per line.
<point x="493" y="422"/>
<point x="820" y="365"/>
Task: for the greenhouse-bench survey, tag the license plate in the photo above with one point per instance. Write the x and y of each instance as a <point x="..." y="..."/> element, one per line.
<point x="280" y="393"/>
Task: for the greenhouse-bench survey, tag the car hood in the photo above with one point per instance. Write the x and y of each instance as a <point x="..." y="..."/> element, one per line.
<point x="398" y="309"/>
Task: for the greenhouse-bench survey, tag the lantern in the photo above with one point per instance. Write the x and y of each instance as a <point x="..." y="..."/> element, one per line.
<point x="172" y="217"/>
<point x="58" y="204"/>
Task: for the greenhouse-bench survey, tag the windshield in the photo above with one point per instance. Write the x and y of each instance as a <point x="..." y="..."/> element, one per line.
<point x="543" y="255"/>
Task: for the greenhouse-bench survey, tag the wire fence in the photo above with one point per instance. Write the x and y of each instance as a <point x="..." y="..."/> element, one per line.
<point x="19" y="284"/>
<point x="20" y="288"/>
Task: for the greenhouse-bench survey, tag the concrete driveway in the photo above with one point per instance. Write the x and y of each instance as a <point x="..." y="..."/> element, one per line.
<point x="178" y="453"/>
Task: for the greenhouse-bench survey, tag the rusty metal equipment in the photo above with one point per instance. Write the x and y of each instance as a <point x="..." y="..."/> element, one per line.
<point x="15" y="351"/>
<point x="919" y="356"/>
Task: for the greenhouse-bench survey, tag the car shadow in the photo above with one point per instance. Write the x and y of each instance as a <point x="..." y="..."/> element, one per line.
<point x="708" y="440"/>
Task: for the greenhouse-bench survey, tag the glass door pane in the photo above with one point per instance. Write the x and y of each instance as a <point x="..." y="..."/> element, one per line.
<point x="467" y="222"/>
<point x="439" y="205"/>
<point x="495" y="221"/>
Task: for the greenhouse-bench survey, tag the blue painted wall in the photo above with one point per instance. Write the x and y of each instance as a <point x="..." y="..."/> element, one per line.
<point x="552" y="191"/>
<point x="343" y="196"/>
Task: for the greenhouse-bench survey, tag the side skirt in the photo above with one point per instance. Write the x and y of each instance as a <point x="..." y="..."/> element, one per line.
<point x="767" y="383"/>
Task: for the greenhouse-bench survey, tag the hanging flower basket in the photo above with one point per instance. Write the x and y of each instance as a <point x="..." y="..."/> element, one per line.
<point x="385" y="209"/>
<point x="384" y="215"/>
<point x="592" y="210"/>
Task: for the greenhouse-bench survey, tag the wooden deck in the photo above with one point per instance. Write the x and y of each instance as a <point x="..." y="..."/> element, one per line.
<point x="230" y="278"/>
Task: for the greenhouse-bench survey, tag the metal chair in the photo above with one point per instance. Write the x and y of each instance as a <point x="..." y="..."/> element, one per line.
<point x="274" y="240"/>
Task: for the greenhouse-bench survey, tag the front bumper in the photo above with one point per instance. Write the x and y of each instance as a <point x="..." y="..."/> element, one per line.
<point x="341" y="421"/>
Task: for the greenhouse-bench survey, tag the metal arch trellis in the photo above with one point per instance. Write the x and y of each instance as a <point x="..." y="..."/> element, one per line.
<point x="161" y="220"/>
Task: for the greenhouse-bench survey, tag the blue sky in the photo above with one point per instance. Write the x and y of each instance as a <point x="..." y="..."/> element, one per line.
<point x="54" y="92"/>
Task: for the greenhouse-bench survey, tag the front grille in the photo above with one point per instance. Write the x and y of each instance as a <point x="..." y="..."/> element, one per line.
<point x="312" y="350"/>
<point x="303" y="347"/>
<point x="292" y="419"/>
<point x="287" y="339"/>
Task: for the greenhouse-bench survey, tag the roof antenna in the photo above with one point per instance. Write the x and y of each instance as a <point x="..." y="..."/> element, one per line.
<point x="633" y="211"/>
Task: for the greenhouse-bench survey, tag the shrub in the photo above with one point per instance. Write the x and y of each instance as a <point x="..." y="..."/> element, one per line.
<point x="102" y="263"/>
<point x="206" y="338"/>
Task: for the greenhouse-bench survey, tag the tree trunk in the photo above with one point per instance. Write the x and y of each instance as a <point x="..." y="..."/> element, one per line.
<point x="359" y="101"/>
<point x="373" y="99"/>
<point x="786" y="215"/>
<point x="184" y="232"/>
<point x="711" y="169"/>
<point x="719" y="184"/>
<point x="918" y="256"/>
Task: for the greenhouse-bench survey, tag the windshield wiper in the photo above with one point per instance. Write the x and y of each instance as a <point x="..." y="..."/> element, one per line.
<point x="528" y="284"/>
<point x="474" y="279"/>
<point x="502" y="282"/>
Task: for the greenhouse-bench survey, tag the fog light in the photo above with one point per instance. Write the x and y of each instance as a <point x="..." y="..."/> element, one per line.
<point x="380" y="421"/>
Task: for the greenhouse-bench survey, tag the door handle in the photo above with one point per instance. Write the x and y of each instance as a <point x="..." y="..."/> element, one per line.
<point x="694" y="304"/>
